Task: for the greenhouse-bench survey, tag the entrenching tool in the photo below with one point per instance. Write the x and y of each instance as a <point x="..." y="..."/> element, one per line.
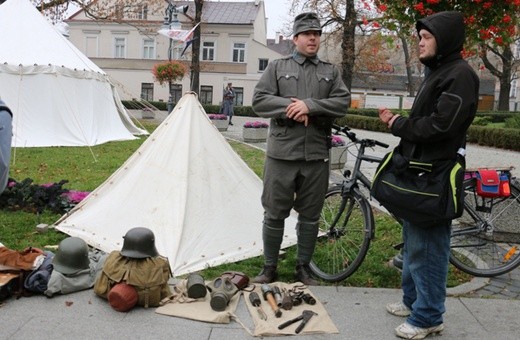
<point x="269" y="296"/>
<point x="305" y="317"/>
<point x="277" y="296"/>
<point x="255" y="301"/>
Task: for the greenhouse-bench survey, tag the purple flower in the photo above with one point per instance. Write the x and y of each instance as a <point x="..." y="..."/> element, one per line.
<point x="216" y="116"/>
<point x="256" y="125"/>
<point x="76" y="196"/>
<point x="337" y="141"/>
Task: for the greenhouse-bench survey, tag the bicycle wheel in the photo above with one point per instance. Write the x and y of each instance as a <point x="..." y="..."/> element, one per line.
<point x="485" y="241"/>
<point x="346" y="228"/>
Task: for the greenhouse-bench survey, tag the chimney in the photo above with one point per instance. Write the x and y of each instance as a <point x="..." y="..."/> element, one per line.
<point x="278" y="38"/>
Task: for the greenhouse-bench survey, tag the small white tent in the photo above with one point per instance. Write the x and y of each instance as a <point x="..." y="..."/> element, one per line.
<point x="58" y="96"/>
<point x="189" y="187"/>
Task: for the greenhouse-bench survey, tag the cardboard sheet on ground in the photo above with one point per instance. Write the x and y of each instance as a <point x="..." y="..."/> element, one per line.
<point x="200" y="310"/>
<point x="320" y="323"/>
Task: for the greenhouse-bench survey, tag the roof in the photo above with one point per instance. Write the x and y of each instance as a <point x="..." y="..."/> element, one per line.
<point x="383" y="82"/>
<point x="394" y="82"/>
<point x="283" y="46"/>
<point x="215" y="12"/>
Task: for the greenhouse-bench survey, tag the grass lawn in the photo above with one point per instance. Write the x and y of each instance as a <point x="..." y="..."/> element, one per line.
<point x="86" y="168"/>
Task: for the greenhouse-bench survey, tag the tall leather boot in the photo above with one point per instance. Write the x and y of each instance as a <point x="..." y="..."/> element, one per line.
<point x="307" y="231"/>
<point x="267" y="275"/>
<point x="303" y="274"/>
<point x="272" y="235"/>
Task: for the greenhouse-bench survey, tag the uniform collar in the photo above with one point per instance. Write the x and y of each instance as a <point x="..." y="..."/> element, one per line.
<point x="300" y="59"/>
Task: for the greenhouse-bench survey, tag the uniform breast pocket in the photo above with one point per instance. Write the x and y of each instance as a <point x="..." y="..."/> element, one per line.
<point x="325" y="83"/>
<point x="288" y="84"/>
<point x="278" y="131"/>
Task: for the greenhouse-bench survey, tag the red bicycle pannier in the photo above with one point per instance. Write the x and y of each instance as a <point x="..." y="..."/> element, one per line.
<point x="492" y="183"/>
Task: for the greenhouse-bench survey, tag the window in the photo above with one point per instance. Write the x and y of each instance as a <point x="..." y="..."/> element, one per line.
<point x="208" y="50"/>
<point x="517" y="50"/>
<point x="513" y="90"/>
<point x="239" y="96"/>
<point x="148" y="49"/>
<point x="206" y="94"/>
<point x="176" y="51"/>
<point x="142" y="12"/>
<point x="262" y="64"/>
<point x="120" y="48"/>
<point x="147" y="91"/>
<point x="239" y="52"/>
<point x="176" y="93"/>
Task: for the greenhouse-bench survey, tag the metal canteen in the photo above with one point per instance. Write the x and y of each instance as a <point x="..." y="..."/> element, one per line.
<point x="196" y="286"/>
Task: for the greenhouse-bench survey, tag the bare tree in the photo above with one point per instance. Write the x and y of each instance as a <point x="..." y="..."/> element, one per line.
<point x="339" y="16"/>
<point x="195" y="52"/>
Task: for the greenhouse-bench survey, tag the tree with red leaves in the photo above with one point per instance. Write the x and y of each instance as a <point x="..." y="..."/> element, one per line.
<point x="491" y="32"/>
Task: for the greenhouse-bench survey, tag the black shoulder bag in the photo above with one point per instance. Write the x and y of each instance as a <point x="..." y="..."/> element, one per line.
<point x="420" y="192"/>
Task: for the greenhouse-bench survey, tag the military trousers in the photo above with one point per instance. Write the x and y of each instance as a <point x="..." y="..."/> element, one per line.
<point x="301" y="185"/>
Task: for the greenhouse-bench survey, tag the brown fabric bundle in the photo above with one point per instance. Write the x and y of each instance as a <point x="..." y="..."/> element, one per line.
<point x="21" y="260"/>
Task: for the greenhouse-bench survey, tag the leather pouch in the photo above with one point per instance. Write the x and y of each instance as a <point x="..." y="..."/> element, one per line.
<point x="240" y="279"/>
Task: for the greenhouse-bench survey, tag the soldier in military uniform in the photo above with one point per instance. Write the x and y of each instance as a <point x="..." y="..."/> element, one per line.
<point x="302" y="95"/>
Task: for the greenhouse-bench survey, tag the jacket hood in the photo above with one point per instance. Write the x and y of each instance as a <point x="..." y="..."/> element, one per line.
<point x="448" y="30"/>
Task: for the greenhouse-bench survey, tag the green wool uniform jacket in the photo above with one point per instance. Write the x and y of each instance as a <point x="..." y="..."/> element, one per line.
<point x="320" y="86"/>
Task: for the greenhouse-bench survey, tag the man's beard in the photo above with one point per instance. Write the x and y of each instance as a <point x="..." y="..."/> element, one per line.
<point x="430" y="60"/>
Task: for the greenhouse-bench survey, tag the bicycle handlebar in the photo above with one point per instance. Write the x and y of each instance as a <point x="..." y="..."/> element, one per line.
<point x="352" y="136"/>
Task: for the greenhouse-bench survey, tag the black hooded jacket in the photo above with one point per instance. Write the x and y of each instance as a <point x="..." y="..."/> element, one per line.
<point x="447" y="100"/>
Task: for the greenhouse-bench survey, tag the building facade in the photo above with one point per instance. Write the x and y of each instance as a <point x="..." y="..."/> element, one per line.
<point x="233" y="48"/>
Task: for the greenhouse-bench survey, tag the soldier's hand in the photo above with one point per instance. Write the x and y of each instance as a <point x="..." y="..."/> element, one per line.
<point x="298" y="111"/>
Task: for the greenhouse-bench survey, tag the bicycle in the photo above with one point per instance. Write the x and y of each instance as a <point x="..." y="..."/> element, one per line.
<point x="480" y="242"/>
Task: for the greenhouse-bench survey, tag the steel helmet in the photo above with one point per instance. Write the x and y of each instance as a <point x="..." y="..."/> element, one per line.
<point x="72" y="256"/>
<point x="139" y="243"/>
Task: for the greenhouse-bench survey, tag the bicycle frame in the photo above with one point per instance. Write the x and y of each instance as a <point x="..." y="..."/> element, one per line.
<point x="474" y="248"/>
<point x="356" y="175"/>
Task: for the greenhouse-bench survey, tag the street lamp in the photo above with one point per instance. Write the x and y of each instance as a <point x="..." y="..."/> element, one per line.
<point x="171" y="21"/>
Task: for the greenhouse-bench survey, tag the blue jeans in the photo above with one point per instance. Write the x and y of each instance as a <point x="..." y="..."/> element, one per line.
<point x="425" y="271"/>
<point x="6" y="131"/>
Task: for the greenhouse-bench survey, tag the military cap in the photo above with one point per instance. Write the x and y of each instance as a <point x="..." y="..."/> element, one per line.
<point x="306" y="22"/>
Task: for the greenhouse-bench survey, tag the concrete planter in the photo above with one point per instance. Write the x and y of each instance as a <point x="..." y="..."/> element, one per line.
<point x="147" y="114"/>
<point x="221" y="124"/>
<point x="254" y="135"/>
<point x="338" y="157"/>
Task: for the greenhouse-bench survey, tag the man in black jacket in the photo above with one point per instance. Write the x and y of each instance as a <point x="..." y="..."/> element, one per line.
<point x="6" y="130"/>
<point x="443" y="110"/>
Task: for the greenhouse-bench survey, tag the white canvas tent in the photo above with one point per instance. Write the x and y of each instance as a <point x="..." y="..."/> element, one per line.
<point x="189" y="187"/>
<point x="58" y="96"/>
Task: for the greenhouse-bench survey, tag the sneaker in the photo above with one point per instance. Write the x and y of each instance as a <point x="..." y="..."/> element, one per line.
<point x="397" y="261"/>
<point x="303" y="275"/>
<point x="267" y="275"/>
<point x="398" y="309"/>
<point x="407" y="331"/>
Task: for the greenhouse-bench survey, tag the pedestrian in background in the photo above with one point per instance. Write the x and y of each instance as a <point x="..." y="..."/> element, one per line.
<point x="443" y="110"/>
<point x="228" y="101"/>
<point x="301" y="95"/>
